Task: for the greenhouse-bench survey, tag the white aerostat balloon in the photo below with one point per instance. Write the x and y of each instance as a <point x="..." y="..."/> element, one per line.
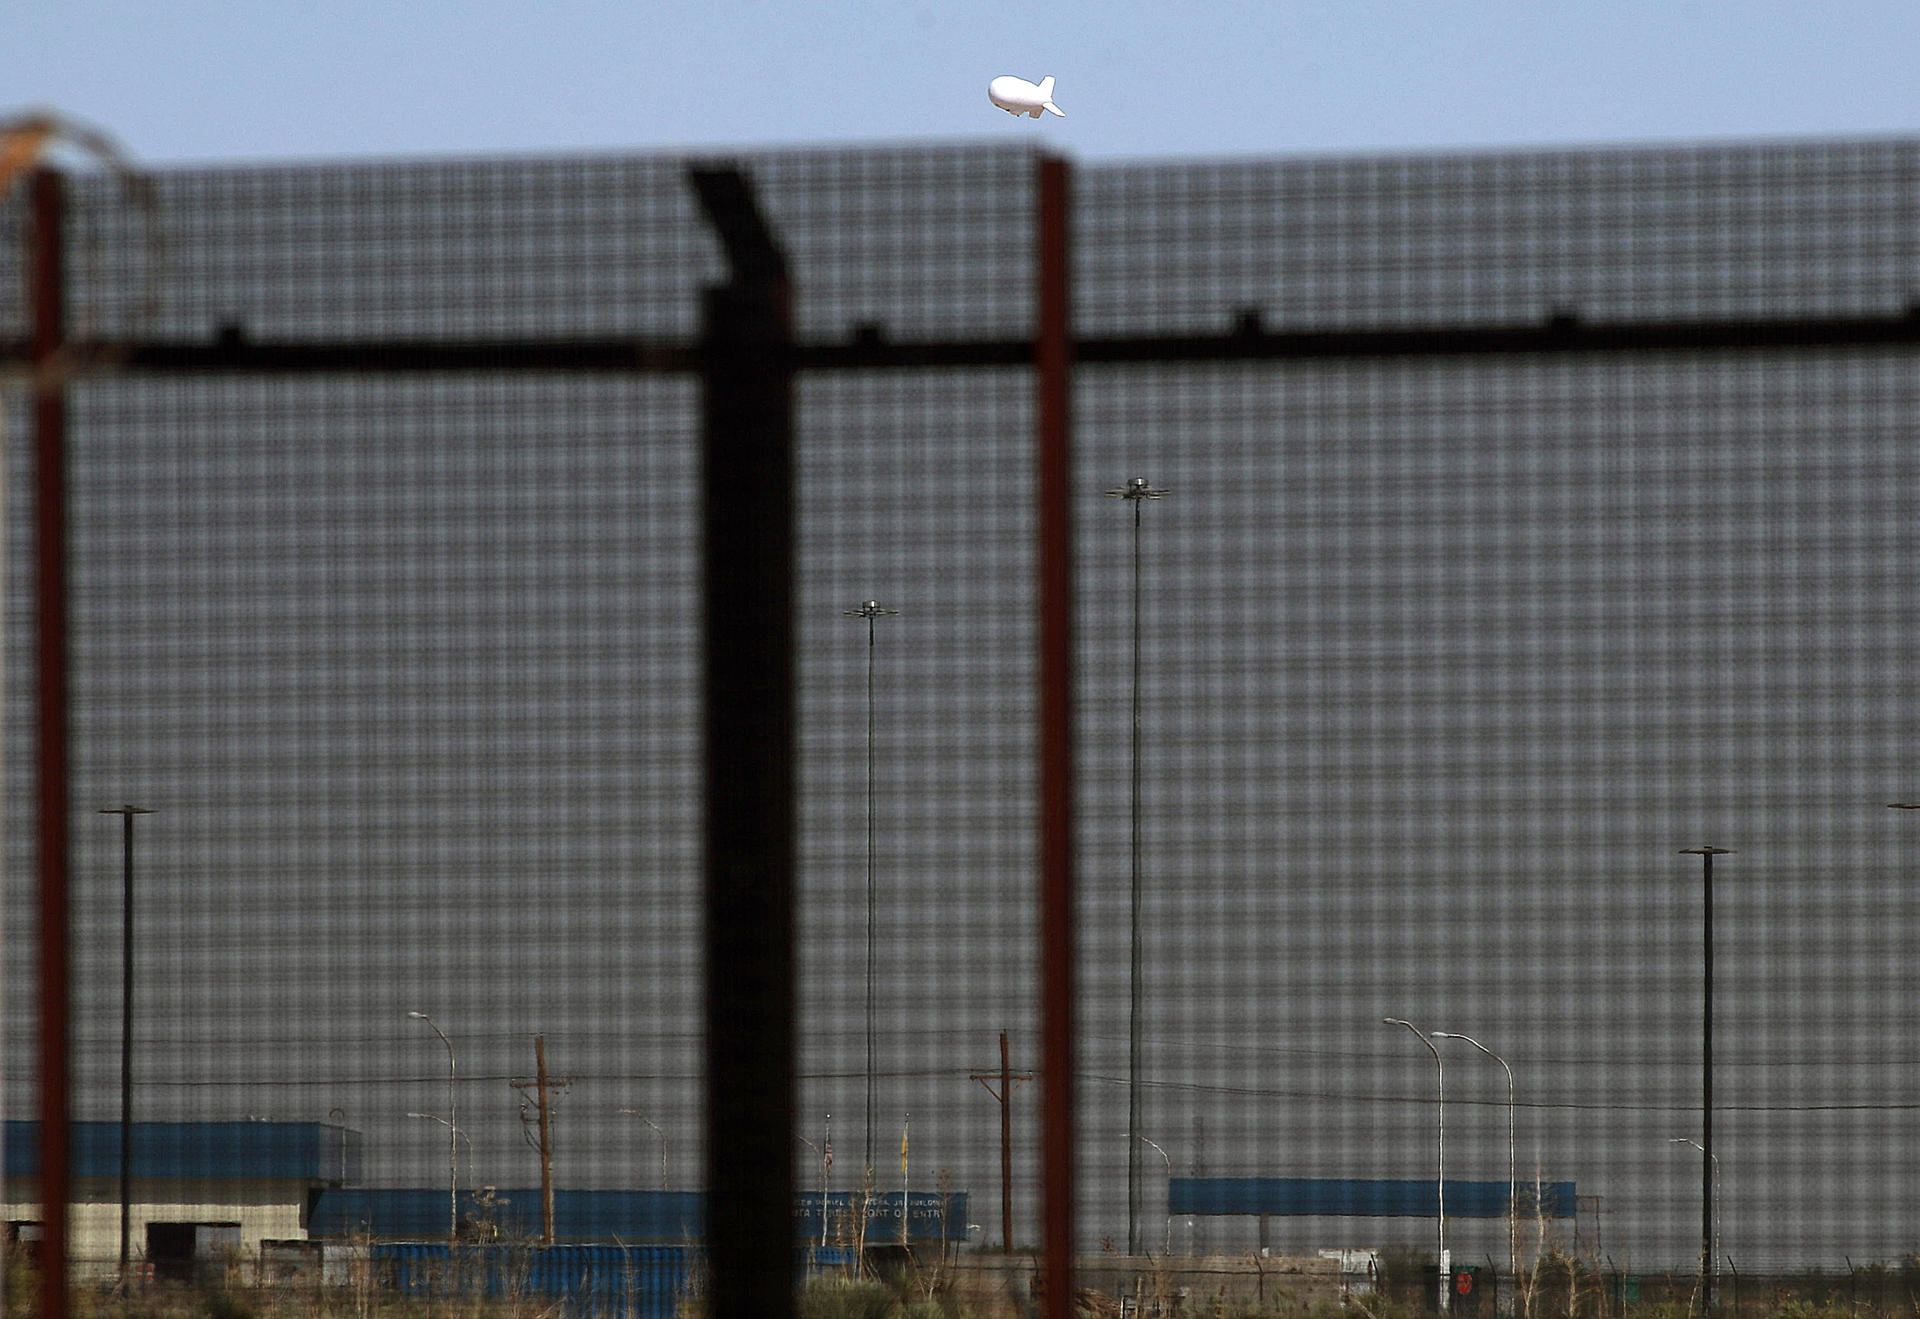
<point x="1019" y="97"/>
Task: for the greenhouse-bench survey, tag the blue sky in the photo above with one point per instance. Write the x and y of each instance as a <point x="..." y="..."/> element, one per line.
<point x="191" y="80"/>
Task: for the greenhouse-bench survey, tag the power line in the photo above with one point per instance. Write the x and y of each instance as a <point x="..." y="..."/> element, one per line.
<point x="959" y="1074"/>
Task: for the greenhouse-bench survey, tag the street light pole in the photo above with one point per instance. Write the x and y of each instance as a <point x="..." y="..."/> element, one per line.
<point x="1441" y="1261"/>
<point x="663" y="1141"/>
<point x="1513" y="1170"/>
<point x="1166" y="1247"/>
<point x="458" y="1134"/>
<point x="1707" y="1161"/>
<point x="826" y="1162"/>
<point x="1136" y="492"/>
<point x="126" y="814"/>
<point x="453" y="1135"/>
<point x="1715" y="1160"/>
<point x="869" y="610"/>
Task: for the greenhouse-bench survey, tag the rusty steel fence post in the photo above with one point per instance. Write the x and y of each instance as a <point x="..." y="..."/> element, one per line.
<point x="46" y="297"/>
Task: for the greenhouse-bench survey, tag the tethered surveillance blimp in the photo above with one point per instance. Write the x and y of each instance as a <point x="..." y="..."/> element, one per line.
<point x="1019" y="97"/>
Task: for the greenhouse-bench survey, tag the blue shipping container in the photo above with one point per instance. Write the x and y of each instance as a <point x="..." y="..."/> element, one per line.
<point x="590" y="1282"/>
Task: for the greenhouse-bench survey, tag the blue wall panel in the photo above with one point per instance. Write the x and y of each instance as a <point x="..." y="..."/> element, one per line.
<point x="297" y="1151"/>
<point x="421" y="1212"/>
<point x="595" y="1215"/>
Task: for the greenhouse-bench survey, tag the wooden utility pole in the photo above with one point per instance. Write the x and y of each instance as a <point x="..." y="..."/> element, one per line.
<point x="541" y="1087"/>
<point x="1007" y="1081"/>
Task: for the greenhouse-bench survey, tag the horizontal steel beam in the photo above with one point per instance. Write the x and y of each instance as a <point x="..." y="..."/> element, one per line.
<point x="871" y="350"/>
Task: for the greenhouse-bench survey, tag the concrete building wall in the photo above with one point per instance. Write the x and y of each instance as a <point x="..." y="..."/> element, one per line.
<point x="271" y="1209"/>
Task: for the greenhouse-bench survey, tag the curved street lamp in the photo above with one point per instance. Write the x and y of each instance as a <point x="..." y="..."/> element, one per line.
<point x="1713" y="1159"/>
<point x="1513" y="1171"/>
<point x="472" y="1180"/>
<point x="1166" y="1246"/>
<point x="1440" y="1148"/>
<point x="634" y="1112"/>
<point x="453" y="1133"/>
<point x="826" y="1165"/>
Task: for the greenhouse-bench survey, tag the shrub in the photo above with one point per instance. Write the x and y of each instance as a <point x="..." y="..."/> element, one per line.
<point x="1797" y="1309"/>
<point x="226" y="1305"/>
<point x="832" y="1298"/>
<point x="23" y="1283"/>
<point x="1403" y="1277"/>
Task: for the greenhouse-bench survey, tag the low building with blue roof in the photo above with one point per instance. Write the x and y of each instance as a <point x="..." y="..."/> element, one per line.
<point x="206" y="1191"/>
<point x="197" y="1190"/>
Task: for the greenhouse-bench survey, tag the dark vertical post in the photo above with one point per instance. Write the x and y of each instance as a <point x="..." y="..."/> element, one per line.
<point x="126" y="1040"/>
<point x="1053" y="360"/>
<point x="126" y="814"/>
<point x="1706" y="1086"/>
<point x="1134" y="987"/>
<point x="869" y="610"/>
<point x="546" y="1141"/>
<point x="1006" y="1148"/>
<point x="1706" y="855"/>
<point x="868" y="1175"/>
<point x="747" y="502"/>
<point x="47" y="298"/>
<point x="1136" y="492"/>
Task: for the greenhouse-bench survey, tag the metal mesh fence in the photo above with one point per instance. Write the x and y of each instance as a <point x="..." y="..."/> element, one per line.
<point x="1445" y="657"/>
<point x="1527" y="518"/>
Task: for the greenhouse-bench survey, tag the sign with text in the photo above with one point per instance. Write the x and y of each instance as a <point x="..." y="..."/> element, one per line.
<point x="931" y="1216"/>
